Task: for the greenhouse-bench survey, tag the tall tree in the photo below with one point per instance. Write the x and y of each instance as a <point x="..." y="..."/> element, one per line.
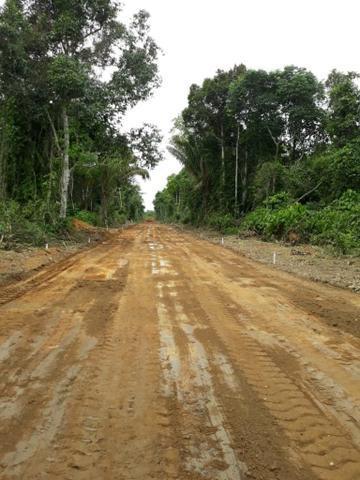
<point x="343" y="118"/>
<point x="69" y="71"/>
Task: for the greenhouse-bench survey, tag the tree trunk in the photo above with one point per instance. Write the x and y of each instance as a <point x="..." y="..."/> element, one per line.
<point x="72" y="189"/>
<point x="49" y="187"/>
<point x="244" y="176"/>
<point x="65" y="174"/>
<point x="120" y="198"/>
<point x="104" y="208"/>
<point x="276" y="143"/>
<point x="2" y="168"/>
<point x="104" y="204"/>
<point x="222" y="162"/>
<point x="237" y="173"/>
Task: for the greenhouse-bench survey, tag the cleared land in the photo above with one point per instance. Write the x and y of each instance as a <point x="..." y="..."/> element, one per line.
<point x="159" y="355"/>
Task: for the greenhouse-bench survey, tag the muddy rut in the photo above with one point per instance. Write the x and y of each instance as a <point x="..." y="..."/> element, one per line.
<point x="156" y="355"/>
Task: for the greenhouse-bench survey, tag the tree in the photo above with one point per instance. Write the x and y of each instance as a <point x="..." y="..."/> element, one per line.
<point x="301" y="97"/>
<point x="78" y="69"/>
<point x="207" y="111"/>
<point x="248" y="135"/>
<point x="343" y="118"/>
<point x="253" y="105"/>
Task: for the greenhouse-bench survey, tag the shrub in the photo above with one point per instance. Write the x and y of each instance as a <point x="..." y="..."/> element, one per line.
<point x="336" y="225"/>
<point x="24" y="225"/>
<point x="87" y="217"/>
<point x="278" y="218"/>
<point x="220" y="221"/>
<point x="118" y="219"/>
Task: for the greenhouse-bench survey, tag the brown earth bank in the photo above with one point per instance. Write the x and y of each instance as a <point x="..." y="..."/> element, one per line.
<point x="308" y="261"/>
<point x="22" y="261"/>
<point x="157" y="355"/>
<point x="17" y="265"/>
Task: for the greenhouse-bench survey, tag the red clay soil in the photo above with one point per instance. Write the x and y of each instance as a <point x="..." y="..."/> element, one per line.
<point x="157" y="355"/>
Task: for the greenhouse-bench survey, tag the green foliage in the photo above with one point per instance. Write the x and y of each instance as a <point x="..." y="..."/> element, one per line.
<point x="343" y="116"/>
<point x="270" y="177"/>
<point x="337" y="225"/>
<point x="88" y="217"/>
<point x="278" y="221"/>
<point x="224" y="223"/>
<point x="67" y="78"/>
<point x="69" y="71"/>
<point x="339" y="169"/>
<point x="275" y="149"/>
<point x="280" y="200"/>
<point x="31" y="224"/>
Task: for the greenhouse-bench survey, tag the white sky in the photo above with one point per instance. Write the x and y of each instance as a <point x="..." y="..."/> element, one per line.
<point x="200" y="36"/>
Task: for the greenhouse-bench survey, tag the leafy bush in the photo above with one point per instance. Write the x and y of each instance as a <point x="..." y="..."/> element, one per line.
<point x="118" y="219"/>
<point x="87" y="217"/>
<point x="279" y="200"/>
<point x="220" y="221"/>
<point x="18" y="225"/>
<point x="337" y="225"/>
<point x="278" y="218"/>
<point x="32" y="224"/>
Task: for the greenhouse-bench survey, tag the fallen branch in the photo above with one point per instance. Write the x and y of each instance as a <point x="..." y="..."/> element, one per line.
<point x="310" y="191"/>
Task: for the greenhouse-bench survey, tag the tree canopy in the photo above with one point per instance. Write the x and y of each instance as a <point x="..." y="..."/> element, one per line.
<point x="69" y="72"/>
<point x="248" y="135"/>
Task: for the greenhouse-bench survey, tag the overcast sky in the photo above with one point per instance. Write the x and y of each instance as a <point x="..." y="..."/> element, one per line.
<point x="200" y="36"/>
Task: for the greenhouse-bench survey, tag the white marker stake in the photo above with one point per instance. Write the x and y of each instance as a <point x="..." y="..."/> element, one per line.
<point x="222" y="241"/>
<point x="46" y="246"/>
<point x="274" y="258"/>
<point x="89" y="240"/>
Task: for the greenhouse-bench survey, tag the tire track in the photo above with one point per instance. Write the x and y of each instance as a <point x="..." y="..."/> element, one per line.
<point x="296" y="411"/>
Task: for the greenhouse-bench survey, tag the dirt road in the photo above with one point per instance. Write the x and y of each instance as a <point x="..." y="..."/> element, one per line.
<point x="160" y="356"/>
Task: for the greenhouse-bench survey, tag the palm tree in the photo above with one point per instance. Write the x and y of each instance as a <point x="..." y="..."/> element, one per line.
<point x="193" y="155"/>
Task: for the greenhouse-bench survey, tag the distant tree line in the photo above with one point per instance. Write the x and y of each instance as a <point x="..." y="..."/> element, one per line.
<point x="69" y="72"/>
<point x="271" y="152"/>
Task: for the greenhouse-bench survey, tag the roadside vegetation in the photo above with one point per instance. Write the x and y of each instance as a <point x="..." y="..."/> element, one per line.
<point x="275" y="154"/>
<point x="69" y="72"/>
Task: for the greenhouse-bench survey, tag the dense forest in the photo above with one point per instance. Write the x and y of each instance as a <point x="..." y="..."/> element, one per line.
<point x="270" y="153"/>
<point x="69" y="72"/>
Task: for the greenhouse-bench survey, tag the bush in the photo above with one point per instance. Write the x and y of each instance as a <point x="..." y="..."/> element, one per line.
<point x="337" y="225"/>
<point x="278" y="219"/>
<point x="24" y="225"/>
<point x="87" y="217"/>
<point x="32" y="224"/>
<point x="220" y="221"/>
<point x="118" y="219"/>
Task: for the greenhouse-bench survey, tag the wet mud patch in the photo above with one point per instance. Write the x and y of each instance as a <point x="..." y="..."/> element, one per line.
<point x="105" y="296"/>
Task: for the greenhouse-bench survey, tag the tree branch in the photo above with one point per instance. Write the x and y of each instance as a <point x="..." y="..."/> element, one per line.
<point x="310" y="191"/>
<point x="57" y="143"/>
<point x="92" y="32"/>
